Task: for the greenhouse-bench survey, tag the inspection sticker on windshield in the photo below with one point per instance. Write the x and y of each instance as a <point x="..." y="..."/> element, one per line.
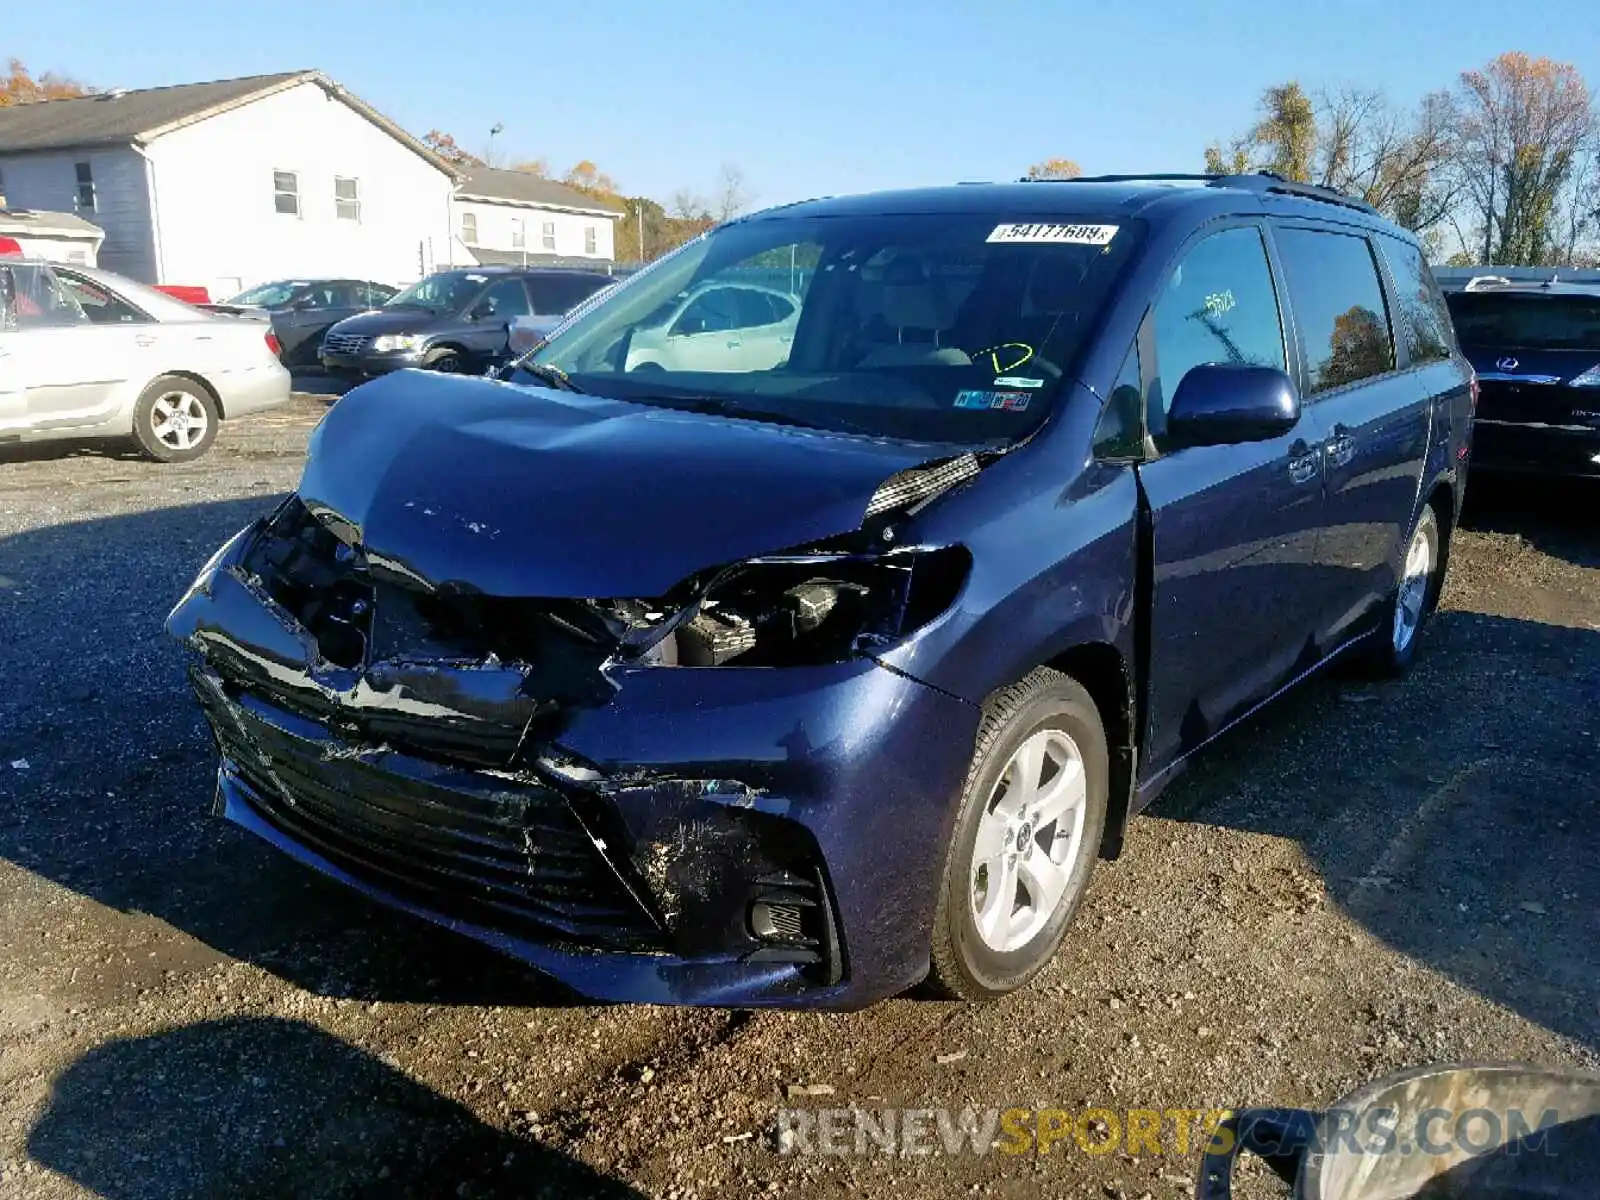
<point x="1007" y="401"/>
<point x="1016" y="381"/>
<point x="1075" y="235"/>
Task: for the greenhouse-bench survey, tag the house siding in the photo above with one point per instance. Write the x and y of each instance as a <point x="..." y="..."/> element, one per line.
<point x="49" y="182"/>
<point x="213" y="182"/>
<point x="497" y="228"/>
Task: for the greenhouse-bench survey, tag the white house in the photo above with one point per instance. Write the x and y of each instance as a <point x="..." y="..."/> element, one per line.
<point x="60" y="237"/>
<point x="233" y="183"/>
<point x="511" y="218"/>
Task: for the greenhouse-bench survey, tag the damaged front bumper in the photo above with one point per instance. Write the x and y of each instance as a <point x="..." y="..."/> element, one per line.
<point x="763" y="836"/>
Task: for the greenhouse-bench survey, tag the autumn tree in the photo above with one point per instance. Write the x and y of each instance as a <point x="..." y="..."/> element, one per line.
<point x="587" y="177"/>
<point x="1287" y="132"/>
<point x="1521" y="125"/>
<point x="17" y="86"/>
<point x="1055" y="168"/>
<point x="443" y="145"/>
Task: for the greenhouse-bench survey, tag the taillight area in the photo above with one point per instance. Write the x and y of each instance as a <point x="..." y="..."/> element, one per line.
<point x="276" y="347"/>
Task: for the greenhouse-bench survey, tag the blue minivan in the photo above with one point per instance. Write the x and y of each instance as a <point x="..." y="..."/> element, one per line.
<point x="823" y="651"/>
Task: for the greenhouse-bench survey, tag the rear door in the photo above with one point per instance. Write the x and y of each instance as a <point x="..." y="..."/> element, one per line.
<point x="1233" y="528"/>
<point x="1376" y="414"/>
<point x="488" y="336"/>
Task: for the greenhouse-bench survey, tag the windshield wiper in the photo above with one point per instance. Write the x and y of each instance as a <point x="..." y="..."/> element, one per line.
<point x="545" y="373"/>
<point x="721" y="406"/>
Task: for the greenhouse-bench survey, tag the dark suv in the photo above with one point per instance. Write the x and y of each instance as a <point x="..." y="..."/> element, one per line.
<point x="1536" y="347"/>
<point x="452" y="321"/>
<point x="825" y="649"/>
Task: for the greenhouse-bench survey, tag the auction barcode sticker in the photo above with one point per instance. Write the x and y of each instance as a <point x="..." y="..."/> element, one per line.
<point x="1079" y="235"/>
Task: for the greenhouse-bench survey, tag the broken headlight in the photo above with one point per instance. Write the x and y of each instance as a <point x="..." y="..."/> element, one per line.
<point x="808" y="609"/>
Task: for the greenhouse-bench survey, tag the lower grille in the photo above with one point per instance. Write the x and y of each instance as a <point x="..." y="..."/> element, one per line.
<point x="345" y="343"/>
<point x="509" y="856"/>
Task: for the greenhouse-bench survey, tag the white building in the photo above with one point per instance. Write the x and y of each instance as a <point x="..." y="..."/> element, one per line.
<point x="230" y="184"/>
<point x="511" y="218"/>
<point x="59" y="237"/>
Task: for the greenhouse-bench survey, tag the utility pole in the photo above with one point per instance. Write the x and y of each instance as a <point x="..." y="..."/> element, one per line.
<point x="488" y="155"/>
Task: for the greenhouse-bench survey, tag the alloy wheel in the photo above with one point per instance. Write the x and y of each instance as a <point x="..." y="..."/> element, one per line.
<point x="1028" y="840"/>
<point x="179" y="420"/>
<point x="1415" y="581"/>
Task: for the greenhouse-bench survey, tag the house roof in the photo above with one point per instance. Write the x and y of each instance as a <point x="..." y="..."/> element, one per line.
<point x="518" y="187"/>
<point x="119" y="117"/>
<point x="27" y="222"/>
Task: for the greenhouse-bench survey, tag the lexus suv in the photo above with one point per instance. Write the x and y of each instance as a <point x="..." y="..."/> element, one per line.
<point x="1536" y="347"/>
<point x="797" y="677"/>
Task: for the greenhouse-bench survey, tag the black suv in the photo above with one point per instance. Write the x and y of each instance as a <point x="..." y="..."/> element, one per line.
<point x="453" y="321"/>
<point x="1536" y="348"/>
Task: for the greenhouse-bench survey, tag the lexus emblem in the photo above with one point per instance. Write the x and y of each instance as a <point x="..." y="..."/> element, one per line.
<point x="1506" y="364"/>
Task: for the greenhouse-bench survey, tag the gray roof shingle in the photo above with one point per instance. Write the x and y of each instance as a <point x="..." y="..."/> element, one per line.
<point x="518" y="187"/>
<point x="115" y="118"/>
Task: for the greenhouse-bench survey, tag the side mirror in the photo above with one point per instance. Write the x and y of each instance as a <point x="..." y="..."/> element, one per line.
<point x="303" y="304"/>
<point x="1219" y="405"/>
<point x="481" y="312"/>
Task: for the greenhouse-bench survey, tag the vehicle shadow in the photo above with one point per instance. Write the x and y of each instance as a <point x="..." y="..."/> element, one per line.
<point x="114" y="800"/>
<point x="267" y="1107"/>
<point x="1453" y="814"/>
<point x="1555" y="515"/>
<point x="121" y="449"/>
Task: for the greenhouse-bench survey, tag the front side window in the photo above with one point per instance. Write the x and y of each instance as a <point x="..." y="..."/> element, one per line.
<point x="347" y="199"/>
<point x="374" y="294"/>
<point x="591" y="239"/>
<point x="952" y="327"/>
<point x="286" y="193"/>
<point x="504" y="300"/>
<point x="85" y="191"/>
<point x="469" y="228"/>
<point x="1338" y="306"/>
<point x="548" y="235"/>
<point x="1219" y="306"/>
<point x="1120" y="434"/>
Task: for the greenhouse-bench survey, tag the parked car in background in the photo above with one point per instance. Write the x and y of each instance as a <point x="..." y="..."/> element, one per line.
<point x="88" y="354"/>
<point x="453" y="321"/>
<point x="747" y="683"/>
<point x="1536" y="348"/>
<point x="717" y="327"/>
<point x="302" y="310"/>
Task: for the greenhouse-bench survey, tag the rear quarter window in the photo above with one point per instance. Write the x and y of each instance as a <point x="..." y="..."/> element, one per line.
<point x="1338" y="305"/>
<point x="1420" y="311"/>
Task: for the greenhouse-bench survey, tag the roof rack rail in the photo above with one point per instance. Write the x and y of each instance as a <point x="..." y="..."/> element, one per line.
<point x="1258" y="181"/>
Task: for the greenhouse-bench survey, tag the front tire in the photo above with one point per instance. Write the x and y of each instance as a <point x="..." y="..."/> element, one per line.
<point x="1025" y="840"/>
<point x="175" y="420"/>
<point x="445" y="361"/>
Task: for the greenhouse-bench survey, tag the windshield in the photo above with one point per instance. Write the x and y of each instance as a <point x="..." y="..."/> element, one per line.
<point x="948" y="327"/>
<point x="267" y="295"/>
<point x="446" y="292"/>
<point x="1526" y="322"/>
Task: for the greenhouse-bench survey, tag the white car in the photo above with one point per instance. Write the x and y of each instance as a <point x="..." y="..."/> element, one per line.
<point x="88" y="354"/>
<point x="718" y="327"/>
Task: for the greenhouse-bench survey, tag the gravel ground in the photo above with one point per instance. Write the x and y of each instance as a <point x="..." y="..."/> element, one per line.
<point x="1367" y="878"/>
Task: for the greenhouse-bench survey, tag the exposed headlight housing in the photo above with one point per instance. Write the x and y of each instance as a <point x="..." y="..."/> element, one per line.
<point x="1590" y="378"/>
<point x="397" y="341"/>
<point x="808" y="609"/>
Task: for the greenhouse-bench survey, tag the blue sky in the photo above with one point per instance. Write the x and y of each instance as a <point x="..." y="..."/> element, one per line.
<point x="823" y="97"/>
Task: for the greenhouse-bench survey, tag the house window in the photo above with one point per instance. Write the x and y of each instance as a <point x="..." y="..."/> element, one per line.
<point x="85" y="187"/>
<point x="518" y="237"/>
<point x="469" y="228"/>
<point x="591" y="240"/>
<point x="286" y="193"/>
<point x="549" y="238"/>
<point x="347" y="199"/>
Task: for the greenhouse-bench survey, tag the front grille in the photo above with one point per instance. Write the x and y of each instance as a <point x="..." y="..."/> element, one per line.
<point x="506" y="855"/>
<point x="345" y="343"/>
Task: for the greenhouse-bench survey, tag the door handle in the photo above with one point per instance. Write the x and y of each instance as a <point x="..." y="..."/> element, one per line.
<point x="1341" y="447"/>
<point x="734" y="343"/>
<point x="144" y="339"/>
<point x="1304" y="461"/>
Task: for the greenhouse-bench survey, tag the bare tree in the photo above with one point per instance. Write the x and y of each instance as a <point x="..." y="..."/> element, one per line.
<point x="1580" y="210"/>
<point x="733" y="195"/>
<point x="1521" y="123"/>
<point x="686" y="204"/>
<point x="1396" y="162"/>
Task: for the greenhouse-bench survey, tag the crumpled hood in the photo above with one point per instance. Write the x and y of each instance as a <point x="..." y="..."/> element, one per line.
<point x="523" y="491"/>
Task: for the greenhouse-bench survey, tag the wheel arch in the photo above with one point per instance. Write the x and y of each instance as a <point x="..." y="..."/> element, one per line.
<point x="193" y="377"/>
<point x="1105" y="675"/>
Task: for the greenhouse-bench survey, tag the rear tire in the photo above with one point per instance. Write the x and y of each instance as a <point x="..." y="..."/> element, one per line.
<point x="1393" y="646"/>
<point x="1025" y="839"/>
<point x="175" y="420"/>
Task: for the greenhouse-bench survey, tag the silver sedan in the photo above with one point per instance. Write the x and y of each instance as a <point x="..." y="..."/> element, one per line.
<point x="88" y="354"/>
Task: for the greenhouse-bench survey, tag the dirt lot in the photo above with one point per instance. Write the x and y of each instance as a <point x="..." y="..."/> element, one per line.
<point x="1369" y="877"/>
